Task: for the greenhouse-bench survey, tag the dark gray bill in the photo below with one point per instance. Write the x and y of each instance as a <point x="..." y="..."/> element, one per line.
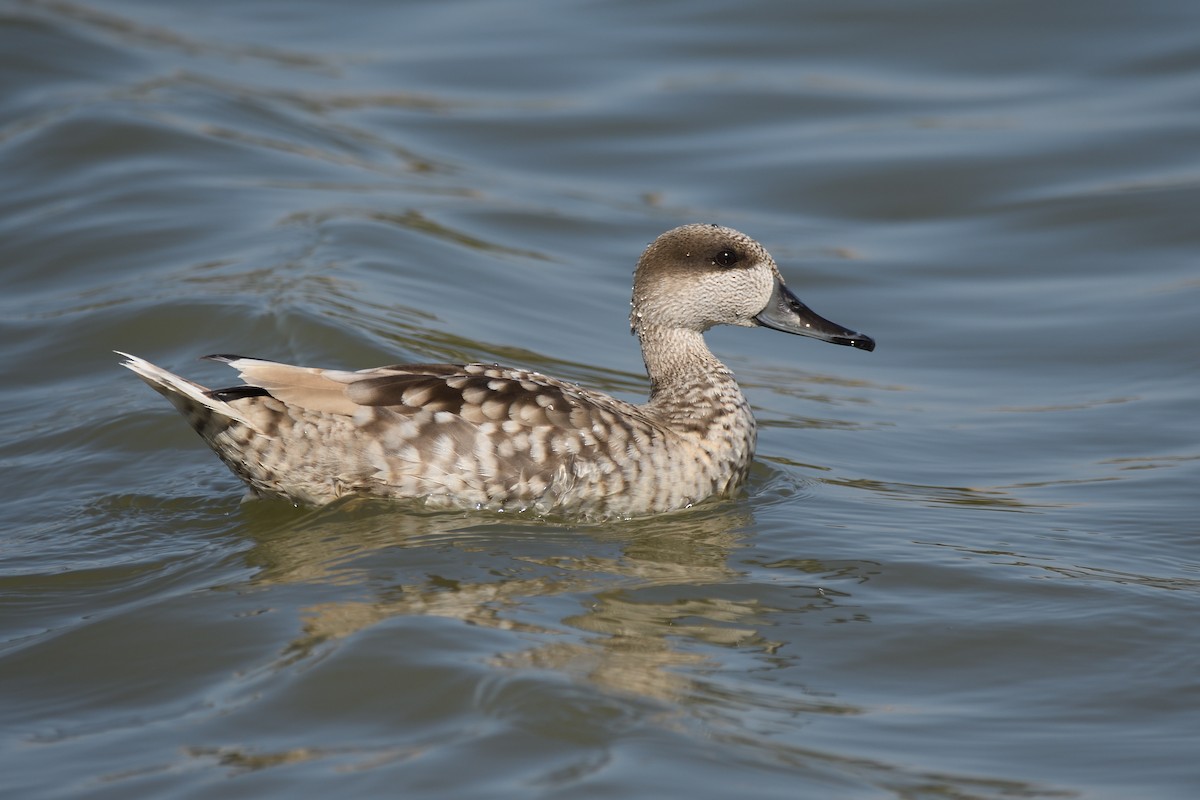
<point x="785" y="312"/>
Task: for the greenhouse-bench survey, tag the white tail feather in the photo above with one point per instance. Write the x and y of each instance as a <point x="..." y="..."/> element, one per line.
<point x="181" y="390"/>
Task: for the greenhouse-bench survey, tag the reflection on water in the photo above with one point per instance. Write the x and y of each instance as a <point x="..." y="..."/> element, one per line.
<point x="654" y="611"/>
<point x="137" y="34"/>
<point x="993" y="498"/>
<point x="410" y="220"/>
<point x="645" y="594"/>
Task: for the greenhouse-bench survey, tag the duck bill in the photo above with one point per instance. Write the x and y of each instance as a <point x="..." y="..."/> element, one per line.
<point x="785" y="312"/>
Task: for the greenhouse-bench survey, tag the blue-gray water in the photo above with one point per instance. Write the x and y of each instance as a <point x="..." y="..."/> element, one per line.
<point x="966" y="565"/>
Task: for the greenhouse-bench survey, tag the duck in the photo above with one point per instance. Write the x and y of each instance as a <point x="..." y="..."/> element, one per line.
<point x="485" y="436"/>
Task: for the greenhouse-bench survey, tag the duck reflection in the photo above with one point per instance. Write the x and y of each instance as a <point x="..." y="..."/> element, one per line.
<point x="623" y="606"/>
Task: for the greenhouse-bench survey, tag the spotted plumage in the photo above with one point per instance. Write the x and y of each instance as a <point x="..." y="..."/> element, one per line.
<point x="486" y="436"/>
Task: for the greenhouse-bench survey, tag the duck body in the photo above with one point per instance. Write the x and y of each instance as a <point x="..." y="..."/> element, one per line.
<point x="486" y="436"/>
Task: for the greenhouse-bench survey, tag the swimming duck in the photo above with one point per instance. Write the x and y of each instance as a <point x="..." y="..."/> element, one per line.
<point x="486" y="436"/>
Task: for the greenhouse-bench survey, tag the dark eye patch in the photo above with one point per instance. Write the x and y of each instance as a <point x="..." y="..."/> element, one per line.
<point x="727" y="257"/>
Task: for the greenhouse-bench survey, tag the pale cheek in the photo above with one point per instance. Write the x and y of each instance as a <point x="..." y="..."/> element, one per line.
<point x="733" y="298"/>
<point x="753" y="297"/>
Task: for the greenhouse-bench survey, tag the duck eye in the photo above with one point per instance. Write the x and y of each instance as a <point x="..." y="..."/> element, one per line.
<point x="726" y="258"/>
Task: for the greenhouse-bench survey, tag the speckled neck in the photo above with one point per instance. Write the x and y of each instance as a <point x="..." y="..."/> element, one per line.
<point x="690" y="389"/>
<point x="675" y="357"/>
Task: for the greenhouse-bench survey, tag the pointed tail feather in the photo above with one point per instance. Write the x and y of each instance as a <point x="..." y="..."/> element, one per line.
<point x="192" y="399"/>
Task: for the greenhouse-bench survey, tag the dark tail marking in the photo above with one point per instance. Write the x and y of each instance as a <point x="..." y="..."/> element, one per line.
<point x="225" y="358"/>
<point x="237" y="393"/>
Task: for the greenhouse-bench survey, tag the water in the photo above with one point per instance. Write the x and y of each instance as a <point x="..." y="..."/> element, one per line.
<point x="966" y="564"/>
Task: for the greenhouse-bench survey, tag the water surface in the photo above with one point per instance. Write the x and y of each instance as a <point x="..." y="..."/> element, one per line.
<point x="966" y="564"/>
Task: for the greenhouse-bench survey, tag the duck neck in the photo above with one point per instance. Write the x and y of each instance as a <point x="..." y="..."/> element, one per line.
<point x="696" y="397"/>
<point x="676" y="356"/>
<point x="686" y="380"/>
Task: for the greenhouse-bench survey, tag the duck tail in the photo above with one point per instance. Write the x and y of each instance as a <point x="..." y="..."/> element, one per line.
<point x="194" y="401"/>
